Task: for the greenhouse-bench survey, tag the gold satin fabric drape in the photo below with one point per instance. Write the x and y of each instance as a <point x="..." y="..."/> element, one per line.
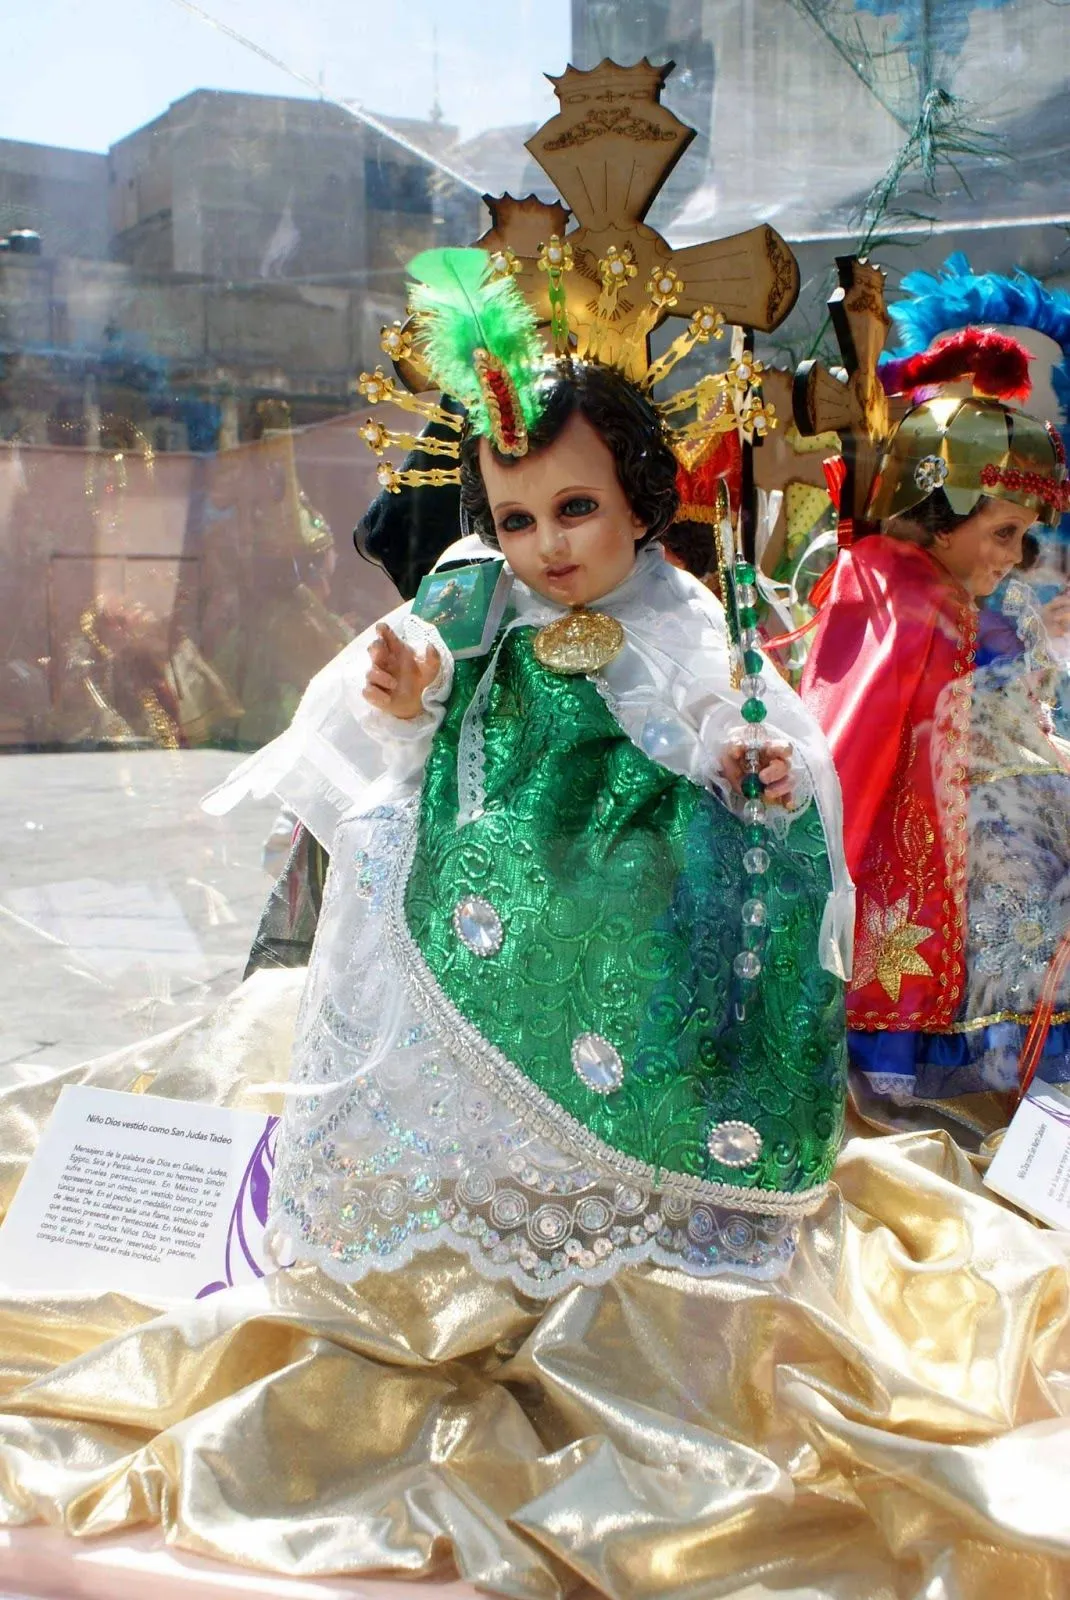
<point x="891" y="1421"/>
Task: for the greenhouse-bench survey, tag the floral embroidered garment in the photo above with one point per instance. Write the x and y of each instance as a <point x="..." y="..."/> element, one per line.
<point x="957" y="822"/>
<point x="522" y="1033"/>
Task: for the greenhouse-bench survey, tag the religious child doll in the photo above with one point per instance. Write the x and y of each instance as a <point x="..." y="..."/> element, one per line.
<point x="576" y="992"/>
<point x="936" y="702"/>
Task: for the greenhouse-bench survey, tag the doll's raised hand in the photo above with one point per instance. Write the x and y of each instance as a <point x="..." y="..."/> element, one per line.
<point x="398" y="676"/>
<point x="775" y="771"/>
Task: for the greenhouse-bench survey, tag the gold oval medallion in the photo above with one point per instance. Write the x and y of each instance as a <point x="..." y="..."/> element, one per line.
<point x="583" y="641"/>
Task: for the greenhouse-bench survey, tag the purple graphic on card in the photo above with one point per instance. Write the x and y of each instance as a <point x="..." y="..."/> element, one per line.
<point x="1056" y="1112"/>
<point x="245" y="1259"/>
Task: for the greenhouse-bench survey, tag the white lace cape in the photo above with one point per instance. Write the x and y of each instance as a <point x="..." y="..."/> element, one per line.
<point x="670" y="689"/>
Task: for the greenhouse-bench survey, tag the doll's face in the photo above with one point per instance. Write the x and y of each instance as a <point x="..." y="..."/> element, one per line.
<point x="561" y="517"/>
<point x="985" y="548"/>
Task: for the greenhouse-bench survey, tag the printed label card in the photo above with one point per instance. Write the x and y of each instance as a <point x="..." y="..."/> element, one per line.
<point x="466" y="604"/>
<point x="165" y="1200"/>
<point x="1031" y="1168"/>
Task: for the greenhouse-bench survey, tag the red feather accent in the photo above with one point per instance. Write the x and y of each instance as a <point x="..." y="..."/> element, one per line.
<point x="997" y="364"/>
<point x="510" y="432"/>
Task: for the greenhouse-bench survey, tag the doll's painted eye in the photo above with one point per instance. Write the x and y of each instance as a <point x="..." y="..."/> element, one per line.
<point x="515" y="522"/>
<point x="580" y="505"/>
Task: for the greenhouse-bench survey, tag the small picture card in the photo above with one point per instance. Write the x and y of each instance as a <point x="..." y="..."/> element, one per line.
<point x="1031" y="1168"/>
<point x="165" y="1200"/>
<point x="466" y="605"/>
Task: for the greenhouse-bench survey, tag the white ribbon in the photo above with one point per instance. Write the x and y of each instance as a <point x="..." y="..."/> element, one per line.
<point x="471" y="761"/>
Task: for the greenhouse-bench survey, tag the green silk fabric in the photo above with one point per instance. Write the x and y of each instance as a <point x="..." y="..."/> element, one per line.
<point x="619" y="886"/>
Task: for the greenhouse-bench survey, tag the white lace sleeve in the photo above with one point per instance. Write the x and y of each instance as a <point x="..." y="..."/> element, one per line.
<point x="814" y="779"/>
<point x="341" y="754"/>
<point x="679" y="705"/>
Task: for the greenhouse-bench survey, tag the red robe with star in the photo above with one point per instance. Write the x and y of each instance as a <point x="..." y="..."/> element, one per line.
<point x="888" y="678"/>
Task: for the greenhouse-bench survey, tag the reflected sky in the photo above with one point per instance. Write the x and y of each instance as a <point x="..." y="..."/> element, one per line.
<point x="89" y="73"/>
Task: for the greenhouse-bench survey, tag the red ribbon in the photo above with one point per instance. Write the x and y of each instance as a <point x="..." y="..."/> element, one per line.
<point x="835" y="470"/>
<point x="782" y="639"/>
<point x="1039" y="1027"/>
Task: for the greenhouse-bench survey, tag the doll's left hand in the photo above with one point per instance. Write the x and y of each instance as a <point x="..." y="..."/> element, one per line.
<point x="775" y="771"/>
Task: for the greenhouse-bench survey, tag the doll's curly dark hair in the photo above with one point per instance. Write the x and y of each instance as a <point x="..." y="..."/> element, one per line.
<point x="621" y="416"/>
<point x="693" y="544"/>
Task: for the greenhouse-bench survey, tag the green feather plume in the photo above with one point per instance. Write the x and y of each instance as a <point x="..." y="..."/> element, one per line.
<point x="463" y="307"/>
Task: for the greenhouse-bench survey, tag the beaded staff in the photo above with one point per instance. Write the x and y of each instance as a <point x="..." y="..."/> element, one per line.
<point x="738" y="580"/>
<point x="738" y="586"/>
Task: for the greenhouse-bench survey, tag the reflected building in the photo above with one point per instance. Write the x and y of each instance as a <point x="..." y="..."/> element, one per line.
<point x="59" y="194"/>
<point x="238" y="246"/>
<point x="238" y="251"/>
<point x="254" y="188"/>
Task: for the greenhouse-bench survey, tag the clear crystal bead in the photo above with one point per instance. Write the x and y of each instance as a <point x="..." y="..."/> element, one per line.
<point x="478" y="925"/>
<point x="596" y="1063"/>
<point x="756" y="861"/>
<point x="747" y="965"/>
<point x="754" y="812"/>
<point x="754" y="913"/>
<point x="658" y="737"/>
<point x="734" y="1144"/>
<point x="752" y="685"/>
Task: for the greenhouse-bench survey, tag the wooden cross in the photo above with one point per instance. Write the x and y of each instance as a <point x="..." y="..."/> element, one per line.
<point x="609" y="150"/>
<point x="850" y="402"/>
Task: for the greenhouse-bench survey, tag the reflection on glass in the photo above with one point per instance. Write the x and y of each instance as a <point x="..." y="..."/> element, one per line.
<point x="192" y="280"/>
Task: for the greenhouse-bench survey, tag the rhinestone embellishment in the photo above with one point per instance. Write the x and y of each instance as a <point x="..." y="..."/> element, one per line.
<point x="931" y="473"/>
<point x="478" y="926"/>
<point x="734" y="1144"/>
<point x="596" y="1063"/>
